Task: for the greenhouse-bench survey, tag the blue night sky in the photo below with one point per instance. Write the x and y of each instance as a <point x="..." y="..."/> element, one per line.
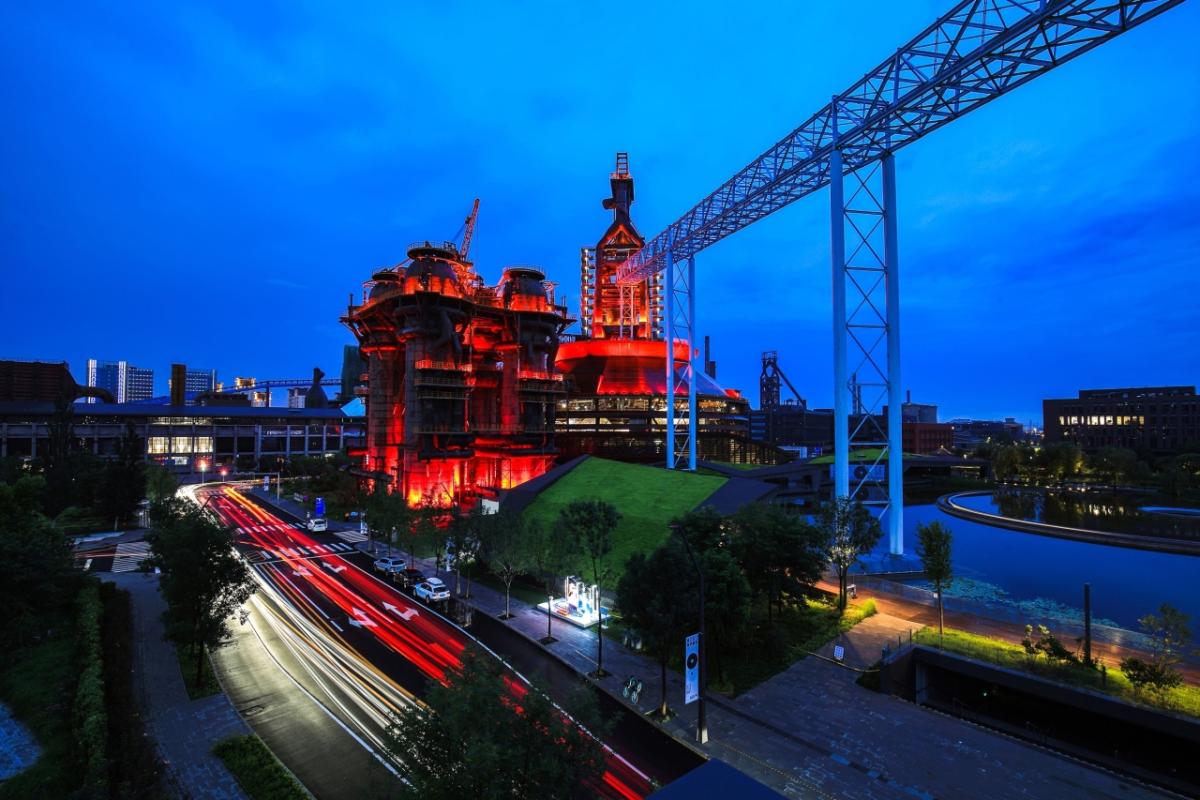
<point x="207" y="182"/>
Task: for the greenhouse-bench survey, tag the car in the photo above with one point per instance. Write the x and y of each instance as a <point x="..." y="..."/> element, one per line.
<point x="411" y="576"/>
<point x="353" y="516"/>
<point x="431" y="590"/>
<point x="392" y="565"/>
<point x="318" y="524"/>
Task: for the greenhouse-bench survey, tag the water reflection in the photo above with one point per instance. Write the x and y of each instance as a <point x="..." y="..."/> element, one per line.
<point x="1119" y="512"/>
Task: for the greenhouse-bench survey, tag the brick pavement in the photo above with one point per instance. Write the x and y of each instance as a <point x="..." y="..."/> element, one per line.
<point x="184" y="729"/>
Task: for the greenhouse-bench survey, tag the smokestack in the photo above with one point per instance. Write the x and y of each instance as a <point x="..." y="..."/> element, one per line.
<point x="178" y="382"/>
<point x="908" y="395"/>
<point x="710" y="366"/>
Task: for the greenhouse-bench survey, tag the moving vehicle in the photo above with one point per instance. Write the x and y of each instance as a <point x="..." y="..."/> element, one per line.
<point x="392" y="565"/>
<point x="431" y="590"/>
<point x="318" y="524"/>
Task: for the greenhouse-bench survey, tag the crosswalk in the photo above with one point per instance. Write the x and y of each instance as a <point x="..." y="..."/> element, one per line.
<point x="129" y="556"/>
<point x="351" y="536"/>
<point x="268" y="554"/>
<point x="274" y="527"/>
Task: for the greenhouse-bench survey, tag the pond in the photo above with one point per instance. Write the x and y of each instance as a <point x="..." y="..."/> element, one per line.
<point x="1120" y="512"/>
<point x="1045" y="574"/>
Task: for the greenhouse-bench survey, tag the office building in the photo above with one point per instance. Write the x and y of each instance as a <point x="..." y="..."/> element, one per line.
<point x="124" y="381"/>
<point x="1151" y="420"/>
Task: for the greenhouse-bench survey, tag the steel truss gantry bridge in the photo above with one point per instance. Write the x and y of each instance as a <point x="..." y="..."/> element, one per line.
<point x="977" y="52"/>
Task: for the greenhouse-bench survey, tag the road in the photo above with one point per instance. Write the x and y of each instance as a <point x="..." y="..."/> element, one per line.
<point x="363" y="645"/>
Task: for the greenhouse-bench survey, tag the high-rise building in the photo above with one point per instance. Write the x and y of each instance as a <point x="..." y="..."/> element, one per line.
<point x="296" y="396"/>
<point x="124" y="381"/>
<point x="200" y="380"/>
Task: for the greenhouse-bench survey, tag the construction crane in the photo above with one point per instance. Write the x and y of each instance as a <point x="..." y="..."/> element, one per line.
<point x="468" y="230"/>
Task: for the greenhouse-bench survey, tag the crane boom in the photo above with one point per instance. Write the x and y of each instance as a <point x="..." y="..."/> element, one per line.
<point x="469" y="230"/>
<point x="976" y="52"/>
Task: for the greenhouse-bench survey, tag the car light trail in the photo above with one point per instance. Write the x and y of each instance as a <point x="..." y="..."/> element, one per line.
<point x="308" y="592"/>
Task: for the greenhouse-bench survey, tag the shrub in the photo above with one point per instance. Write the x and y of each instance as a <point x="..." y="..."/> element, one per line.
<point x="89" y="715"/>
<point x="1144" y="674"/>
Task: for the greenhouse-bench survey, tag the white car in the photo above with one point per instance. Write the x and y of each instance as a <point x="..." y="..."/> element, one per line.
<point x="318" y="524"/>
<point x="431" y="590"/>
<point x="392" y="565"/>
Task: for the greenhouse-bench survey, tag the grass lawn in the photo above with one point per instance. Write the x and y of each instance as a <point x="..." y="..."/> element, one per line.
<point x="804" y="626"/>
<point x="36" y="683"/>
<point x="647" y="497"/>
<point x="1185" y="699"/>
<point x="187" y="665"/>
<point x="258" y="772"/>
<point x="522" y="591"/>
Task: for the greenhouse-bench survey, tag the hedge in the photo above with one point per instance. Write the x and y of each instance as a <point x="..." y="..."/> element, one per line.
<point x="89" y="715"/>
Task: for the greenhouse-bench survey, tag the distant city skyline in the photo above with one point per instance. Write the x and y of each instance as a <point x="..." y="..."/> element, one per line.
<point x="207" y="186"/>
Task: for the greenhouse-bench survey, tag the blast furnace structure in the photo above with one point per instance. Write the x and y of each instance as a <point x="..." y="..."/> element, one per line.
<point x="461" y="383"/>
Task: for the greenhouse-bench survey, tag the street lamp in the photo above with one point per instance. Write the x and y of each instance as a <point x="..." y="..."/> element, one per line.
<point x="224" y="472"/>
<point x="203" y="465"/>
<point x="701" y="720"/>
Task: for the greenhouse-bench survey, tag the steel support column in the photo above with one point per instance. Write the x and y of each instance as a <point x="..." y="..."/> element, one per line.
<point x="841" y="387"/>
<point x="669" y="376"/>
<point x="895" y="417"/>
<point x="680" y="330"/>
<point x="690" y="372"/>
<point x="866" y="319"/>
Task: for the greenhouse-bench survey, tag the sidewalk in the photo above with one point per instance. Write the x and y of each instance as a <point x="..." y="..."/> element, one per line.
<point x="184" y="729"/>
<point x="811" y="731"/>
<point x="926" y="616"/>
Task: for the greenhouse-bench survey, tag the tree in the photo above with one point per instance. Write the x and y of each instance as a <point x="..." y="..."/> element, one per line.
<point x="650" y="596"/>
<point x="506" y="548"/>
<point x="160" y="483"/>
<point x="1169" y="636"/>
<point x="1060" y="460"/>
<point x="463" y="536"/>
<point x="851" y="532"/>
<point x="35" y="558"/>
<point x="727" y="605"/>
<point x="776" y="549"/>
<point x="591" y="523"/>
<point x="485" y="737"/>
<point x="388" y="514"/>
<point x="123" y="484"/>
<point x="550" y="553"/>
<point x="934" y="541"/>
<point x="1114" y="463"/>
<point x="429" y="531"/>
<point x="203" y="580"/>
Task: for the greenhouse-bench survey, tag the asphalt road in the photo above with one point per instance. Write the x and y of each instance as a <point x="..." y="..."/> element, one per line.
<point x="370" y="649"/>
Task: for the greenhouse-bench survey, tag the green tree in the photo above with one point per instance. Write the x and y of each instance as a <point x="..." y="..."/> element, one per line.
<point x="480" y="737"/>
<point x="203" y="580"/>
<point x="35" y="558"/>
<point x="650" y="595"/>
<point x="934" y="542"/>
<point x="1170" y="637"/>
<point x="590" y="523"/>
<point x="550" y="554"/>
<point x="851" y="532"/>
<point x="1059" y="460"/>
<point x="123" y="485"/>
<point x="726" y="605"/>
<point x="160" y="483"/>
<point x="389" y="516"/>
<point x="1114" y="464"/>
<point x="777" y="550"/>
<point x="464" y="536"/>
<point x="506" y="549"/>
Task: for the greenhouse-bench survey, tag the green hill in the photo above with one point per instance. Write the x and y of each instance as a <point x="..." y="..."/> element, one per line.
<point x="647" y="497"/>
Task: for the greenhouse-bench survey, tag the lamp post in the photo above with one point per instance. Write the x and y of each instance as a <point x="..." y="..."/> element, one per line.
<point x="701" y="720"/>
<point x="203" y="465"/>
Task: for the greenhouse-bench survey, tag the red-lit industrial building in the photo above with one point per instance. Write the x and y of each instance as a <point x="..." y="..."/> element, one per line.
<point x="461" y="384"/>
<point x="615" y="370"/>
